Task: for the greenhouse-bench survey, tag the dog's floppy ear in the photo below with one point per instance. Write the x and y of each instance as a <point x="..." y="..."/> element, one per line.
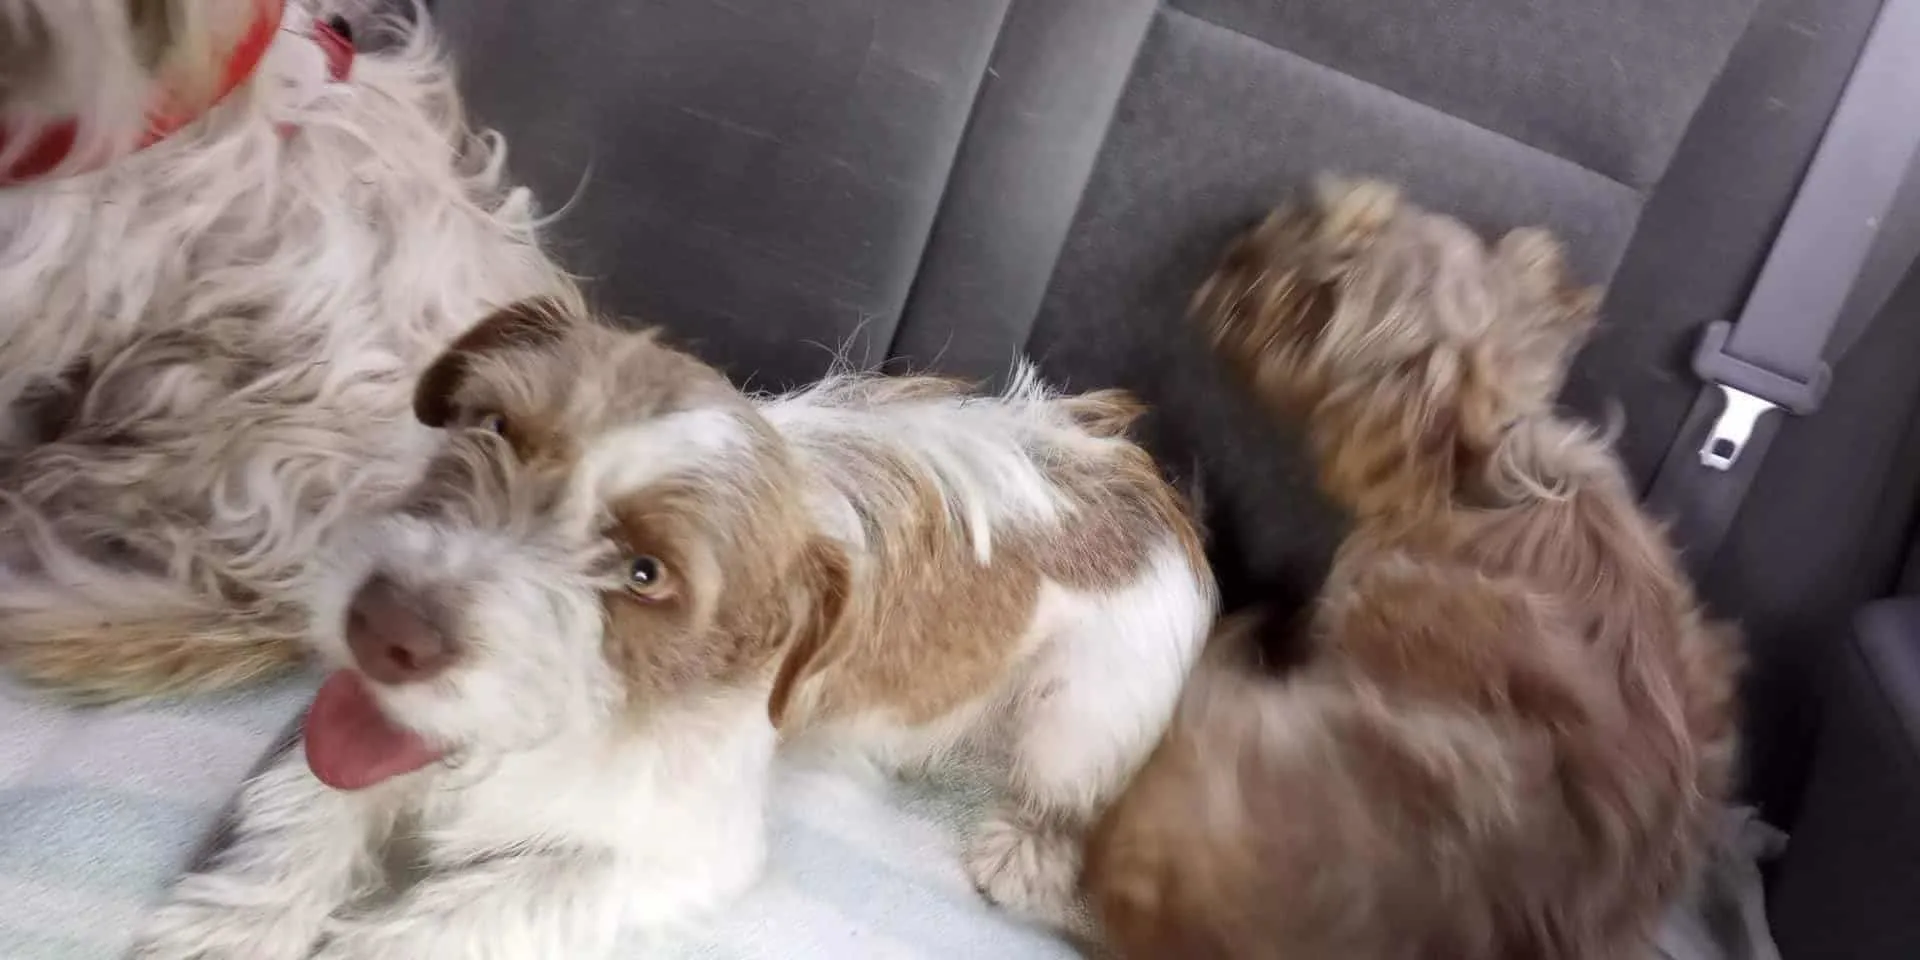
<point x="1351" y="215"/>
<point x="825" y="582"/>
<point x="528" y="324"/>
<point x="1536" y="261"/>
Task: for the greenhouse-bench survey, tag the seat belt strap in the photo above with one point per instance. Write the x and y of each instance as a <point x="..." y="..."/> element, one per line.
<point x="1775" y="357"/>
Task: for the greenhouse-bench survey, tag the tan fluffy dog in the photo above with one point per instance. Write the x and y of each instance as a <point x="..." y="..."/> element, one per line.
<point x="1516" y="721"/>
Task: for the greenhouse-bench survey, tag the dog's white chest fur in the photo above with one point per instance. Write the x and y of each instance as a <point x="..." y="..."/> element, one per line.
<point x="547" y="852"/>
<point x="670" y="799"/>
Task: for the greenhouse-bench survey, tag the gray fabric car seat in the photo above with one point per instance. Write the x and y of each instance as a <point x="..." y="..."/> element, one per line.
<point x="944" y="183"/>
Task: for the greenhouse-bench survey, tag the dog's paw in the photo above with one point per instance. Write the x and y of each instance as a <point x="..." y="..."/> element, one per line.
<point x="1027" y="867"/>
<point x="198" y="930"/>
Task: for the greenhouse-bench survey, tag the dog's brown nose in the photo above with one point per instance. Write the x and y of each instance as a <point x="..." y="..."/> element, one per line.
<point x="392" y="640"/>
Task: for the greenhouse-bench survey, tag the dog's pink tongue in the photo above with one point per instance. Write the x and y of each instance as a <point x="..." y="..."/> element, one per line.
<point x="350" y="745"/>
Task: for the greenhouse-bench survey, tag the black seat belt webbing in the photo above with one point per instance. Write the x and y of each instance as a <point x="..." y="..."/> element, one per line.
<point x="1775" y="357"/>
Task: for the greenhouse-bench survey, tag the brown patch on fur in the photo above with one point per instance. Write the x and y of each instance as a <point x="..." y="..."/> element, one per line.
<point x="737" y="603"/>
<point x="923" y="599"/>
<point x="181" y="650"/>
<point x="526" y="326"/>
<point x="967" y="619"/>
<point x="1124" y="506"/>
<point x="931" y="628"/>
<point x="823" y="589"/>
<point x="1517" y="725"/>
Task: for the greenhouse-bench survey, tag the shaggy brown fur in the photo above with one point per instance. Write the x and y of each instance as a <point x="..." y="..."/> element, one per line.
<point x="1516" y="722"/>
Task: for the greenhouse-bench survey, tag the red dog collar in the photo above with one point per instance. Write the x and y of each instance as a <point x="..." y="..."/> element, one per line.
<point x="56" y="141"/>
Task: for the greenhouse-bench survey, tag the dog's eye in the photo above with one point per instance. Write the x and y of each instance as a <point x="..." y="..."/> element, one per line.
<point x="492" y="423"/>
<point x="647" y="577"/>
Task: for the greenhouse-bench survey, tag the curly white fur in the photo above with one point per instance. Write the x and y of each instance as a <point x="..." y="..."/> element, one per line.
<point x="206" y="352"/>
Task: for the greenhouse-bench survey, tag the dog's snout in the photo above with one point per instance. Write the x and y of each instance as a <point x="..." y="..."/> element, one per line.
<point x="392" y="638"/>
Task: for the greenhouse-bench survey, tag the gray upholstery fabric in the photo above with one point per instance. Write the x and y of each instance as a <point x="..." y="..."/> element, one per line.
<point x="1819" y="536"/>
<point x="1846" y="887"/>
<point x="1609" y="84"/>
<point x="1708" y="224"/>
<point x="1810" y="544"/>
<point x="758" y="175"/>
<point x="1215" y="128"/>
<point x="1038" y="126"/>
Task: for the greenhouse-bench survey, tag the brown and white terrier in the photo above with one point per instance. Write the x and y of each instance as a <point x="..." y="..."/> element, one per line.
<point x="1515" y="723"/>
<point x="565" y="659"/>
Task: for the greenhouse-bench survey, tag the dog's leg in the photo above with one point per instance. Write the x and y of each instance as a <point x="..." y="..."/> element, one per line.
<point x="526" y="907"/>
<point x="300" y="850"/>
<point x="569" y="902"/>
<point x="1026" y="858"/>
<point x="1093" y="710"/>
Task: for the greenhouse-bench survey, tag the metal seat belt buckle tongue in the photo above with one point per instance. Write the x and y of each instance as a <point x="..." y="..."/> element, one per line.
<point x="1802" y="309"/>
<point x="1855" y="183"/>
<point x="1748" y="392"/>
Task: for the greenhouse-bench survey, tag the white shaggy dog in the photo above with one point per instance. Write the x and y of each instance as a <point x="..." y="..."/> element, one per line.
<point x="564" y="659"/>
<point x="206" y="346"/>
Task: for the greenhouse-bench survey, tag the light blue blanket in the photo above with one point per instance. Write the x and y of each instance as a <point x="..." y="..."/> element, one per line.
<point x="101" y="809"/>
